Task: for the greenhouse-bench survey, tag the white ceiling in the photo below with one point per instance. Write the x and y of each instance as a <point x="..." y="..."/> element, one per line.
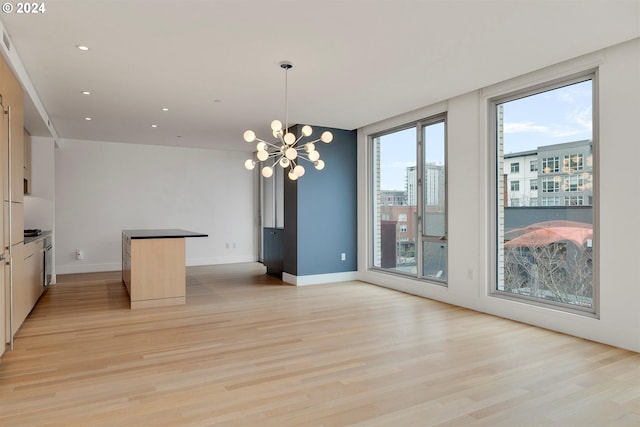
<point x="214" y="63"/>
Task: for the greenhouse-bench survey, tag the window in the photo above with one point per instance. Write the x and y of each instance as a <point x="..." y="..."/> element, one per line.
<point x="574" y="200"/>
<point x="515" y="167"/>
<point x="573" y="183"/>
<point x="550" y="184"/>
<point x="515" y="185"/>
<point x="551" y="201"/>
<point x="421" y="149"/>
<point x="551" y="165"/>
<point x="515" y="202"/>
<point x="573" y="162"/>
<point x="541" y="255"/>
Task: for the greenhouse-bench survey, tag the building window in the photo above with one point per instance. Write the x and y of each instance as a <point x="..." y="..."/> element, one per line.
<point x="533" y="166"/>
<point x="515" y="185"/>
<point x="573" y="162"/>
<point x="550" y="184"/>
<point x="421" y="146"/>
<point x="574" y="183"/>
<point x="550" y="165"/>
<point x="574" y="200"/>
<point x="515" y="203"/>
<point x="551" y="201"/>
<point x="545" y="256"/>
<point x="515" y="167"/>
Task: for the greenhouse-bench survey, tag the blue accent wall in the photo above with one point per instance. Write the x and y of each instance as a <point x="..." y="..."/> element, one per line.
<point x="321" y="210"/>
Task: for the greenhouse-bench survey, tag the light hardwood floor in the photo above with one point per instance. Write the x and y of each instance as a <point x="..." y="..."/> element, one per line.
<point x="247" y="350"/>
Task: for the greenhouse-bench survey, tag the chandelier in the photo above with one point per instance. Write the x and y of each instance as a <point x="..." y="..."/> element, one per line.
<point x="288" y="152"/>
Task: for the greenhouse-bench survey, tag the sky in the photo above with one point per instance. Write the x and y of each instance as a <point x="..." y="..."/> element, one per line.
<point x="552" y="117"/>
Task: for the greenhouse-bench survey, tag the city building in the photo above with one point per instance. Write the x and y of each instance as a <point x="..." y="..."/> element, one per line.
<point x="552" y="175"/>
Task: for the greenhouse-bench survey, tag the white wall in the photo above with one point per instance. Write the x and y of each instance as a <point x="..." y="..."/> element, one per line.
<point x="102" y="188"/>
<point x="470" y="199"/>
<point x="38" y="206"/>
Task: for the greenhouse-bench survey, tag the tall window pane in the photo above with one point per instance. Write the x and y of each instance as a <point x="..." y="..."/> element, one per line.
<point x="434" y="228"/>
<point x="394" y="188"/>
<point x="545" y="250"/>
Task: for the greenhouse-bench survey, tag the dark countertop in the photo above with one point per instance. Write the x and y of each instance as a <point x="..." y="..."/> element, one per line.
<point x="162" y="233"/>
<point x="29" y="239"/>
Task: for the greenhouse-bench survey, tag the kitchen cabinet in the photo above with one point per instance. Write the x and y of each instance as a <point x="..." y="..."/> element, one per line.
<point x="12" y="210"/>
<point x="28" y="290"/>
<point x="26" y="162"/>
<point x="272" y="254"/>
<point x="12" y="134"/>
<point x="153" y="266"/>
<point x="17" y="223"/>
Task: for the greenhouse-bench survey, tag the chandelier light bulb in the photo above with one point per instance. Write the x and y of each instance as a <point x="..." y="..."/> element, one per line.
<point x="267" y="171"/>
<point x="284" y="162"/>
<point x="262" y="155"/>
<point x="309" y="147"/>
<point x="249" y="136"/>
<point x="298" y="170"/>
<point x="293" y="176"/>
<point x="306" y="130"/>
<point x="326" y="137"/>
<point x="319" y="165"/>
<point x="314" y="155"/>
<point x="250" y="164"/>
<point x="289" y="138"/>
<point x="291" y="153"/>
<point x="276" y="125"/>
<point x="261" y="146"/>
<point x="277" y="134"/>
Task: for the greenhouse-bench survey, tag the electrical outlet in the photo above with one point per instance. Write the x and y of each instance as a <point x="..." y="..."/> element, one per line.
<point x="343" y="256"/>
<point x="79" y="254"/>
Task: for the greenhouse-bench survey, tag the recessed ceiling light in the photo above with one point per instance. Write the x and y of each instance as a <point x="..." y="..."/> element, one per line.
<point x="87" y="118"/>
<point x="86" y="92"/>
<point x="82" y="47"/>
<point x="154" y="126"/>
<point x="165" y="109"/>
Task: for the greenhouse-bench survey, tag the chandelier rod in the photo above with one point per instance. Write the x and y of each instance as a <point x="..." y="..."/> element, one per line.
<point x="286" y="66"/>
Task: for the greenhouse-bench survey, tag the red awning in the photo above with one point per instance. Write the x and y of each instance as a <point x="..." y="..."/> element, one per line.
<point x="547" y="232"/>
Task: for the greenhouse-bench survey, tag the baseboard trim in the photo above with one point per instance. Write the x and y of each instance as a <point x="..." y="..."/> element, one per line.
<point x="319" y="279"/>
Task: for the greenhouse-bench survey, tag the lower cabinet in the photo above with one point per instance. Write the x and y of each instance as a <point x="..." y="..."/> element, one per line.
<point x="272" y="255"/>
<point x="27" y="280"/>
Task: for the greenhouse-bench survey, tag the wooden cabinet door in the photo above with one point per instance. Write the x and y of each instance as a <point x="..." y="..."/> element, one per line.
<point x="12" y="132"/>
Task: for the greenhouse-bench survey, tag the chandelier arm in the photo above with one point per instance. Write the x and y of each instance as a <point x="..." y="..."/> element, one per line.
<point x="306" y="159"/>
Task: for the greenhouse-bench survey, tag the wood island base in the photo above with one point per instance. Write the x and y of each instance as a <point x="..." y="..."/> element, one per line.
<point x="153" y="266"/>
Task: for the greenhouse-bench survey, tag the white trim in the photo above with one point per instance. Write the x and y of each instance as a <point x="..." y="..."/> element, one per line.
<point x="318" y="279"/>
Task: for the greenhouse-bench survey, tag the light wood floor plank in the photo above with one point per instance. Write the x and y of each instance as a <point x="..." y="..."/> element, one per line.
<point x="249" y="350"/>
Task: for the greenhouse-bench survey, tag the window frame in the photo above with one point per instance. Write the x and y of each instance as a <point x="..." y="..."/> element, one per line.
<point x="419" y="125"/>
<point x="493" y="259"/>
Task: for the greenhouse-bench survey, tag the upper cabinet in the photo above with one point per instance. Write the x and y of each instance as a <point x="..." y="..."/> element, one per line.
<point x="12" y="133"/>
<point x="26" y="170"/>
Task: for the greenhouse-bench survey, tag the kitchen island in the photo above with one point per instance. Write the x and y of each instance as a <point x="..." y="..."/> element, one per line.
<point x="153" y="266"/>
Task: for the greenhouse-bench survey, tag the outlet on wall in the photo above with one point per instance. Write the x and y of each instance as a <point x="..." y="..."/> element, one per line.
<point x="343" y="256"/>
<point x="79" y="254"/>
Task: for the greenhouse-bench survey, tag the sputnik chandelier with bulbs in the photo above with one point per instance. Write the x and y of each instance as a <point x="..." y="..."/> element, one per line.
<point x="289" y="150"/>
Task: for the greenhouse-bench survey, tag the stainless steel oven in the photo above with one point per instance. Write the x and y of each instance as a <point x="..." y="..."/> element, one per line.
<point x="48" y="262"/>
